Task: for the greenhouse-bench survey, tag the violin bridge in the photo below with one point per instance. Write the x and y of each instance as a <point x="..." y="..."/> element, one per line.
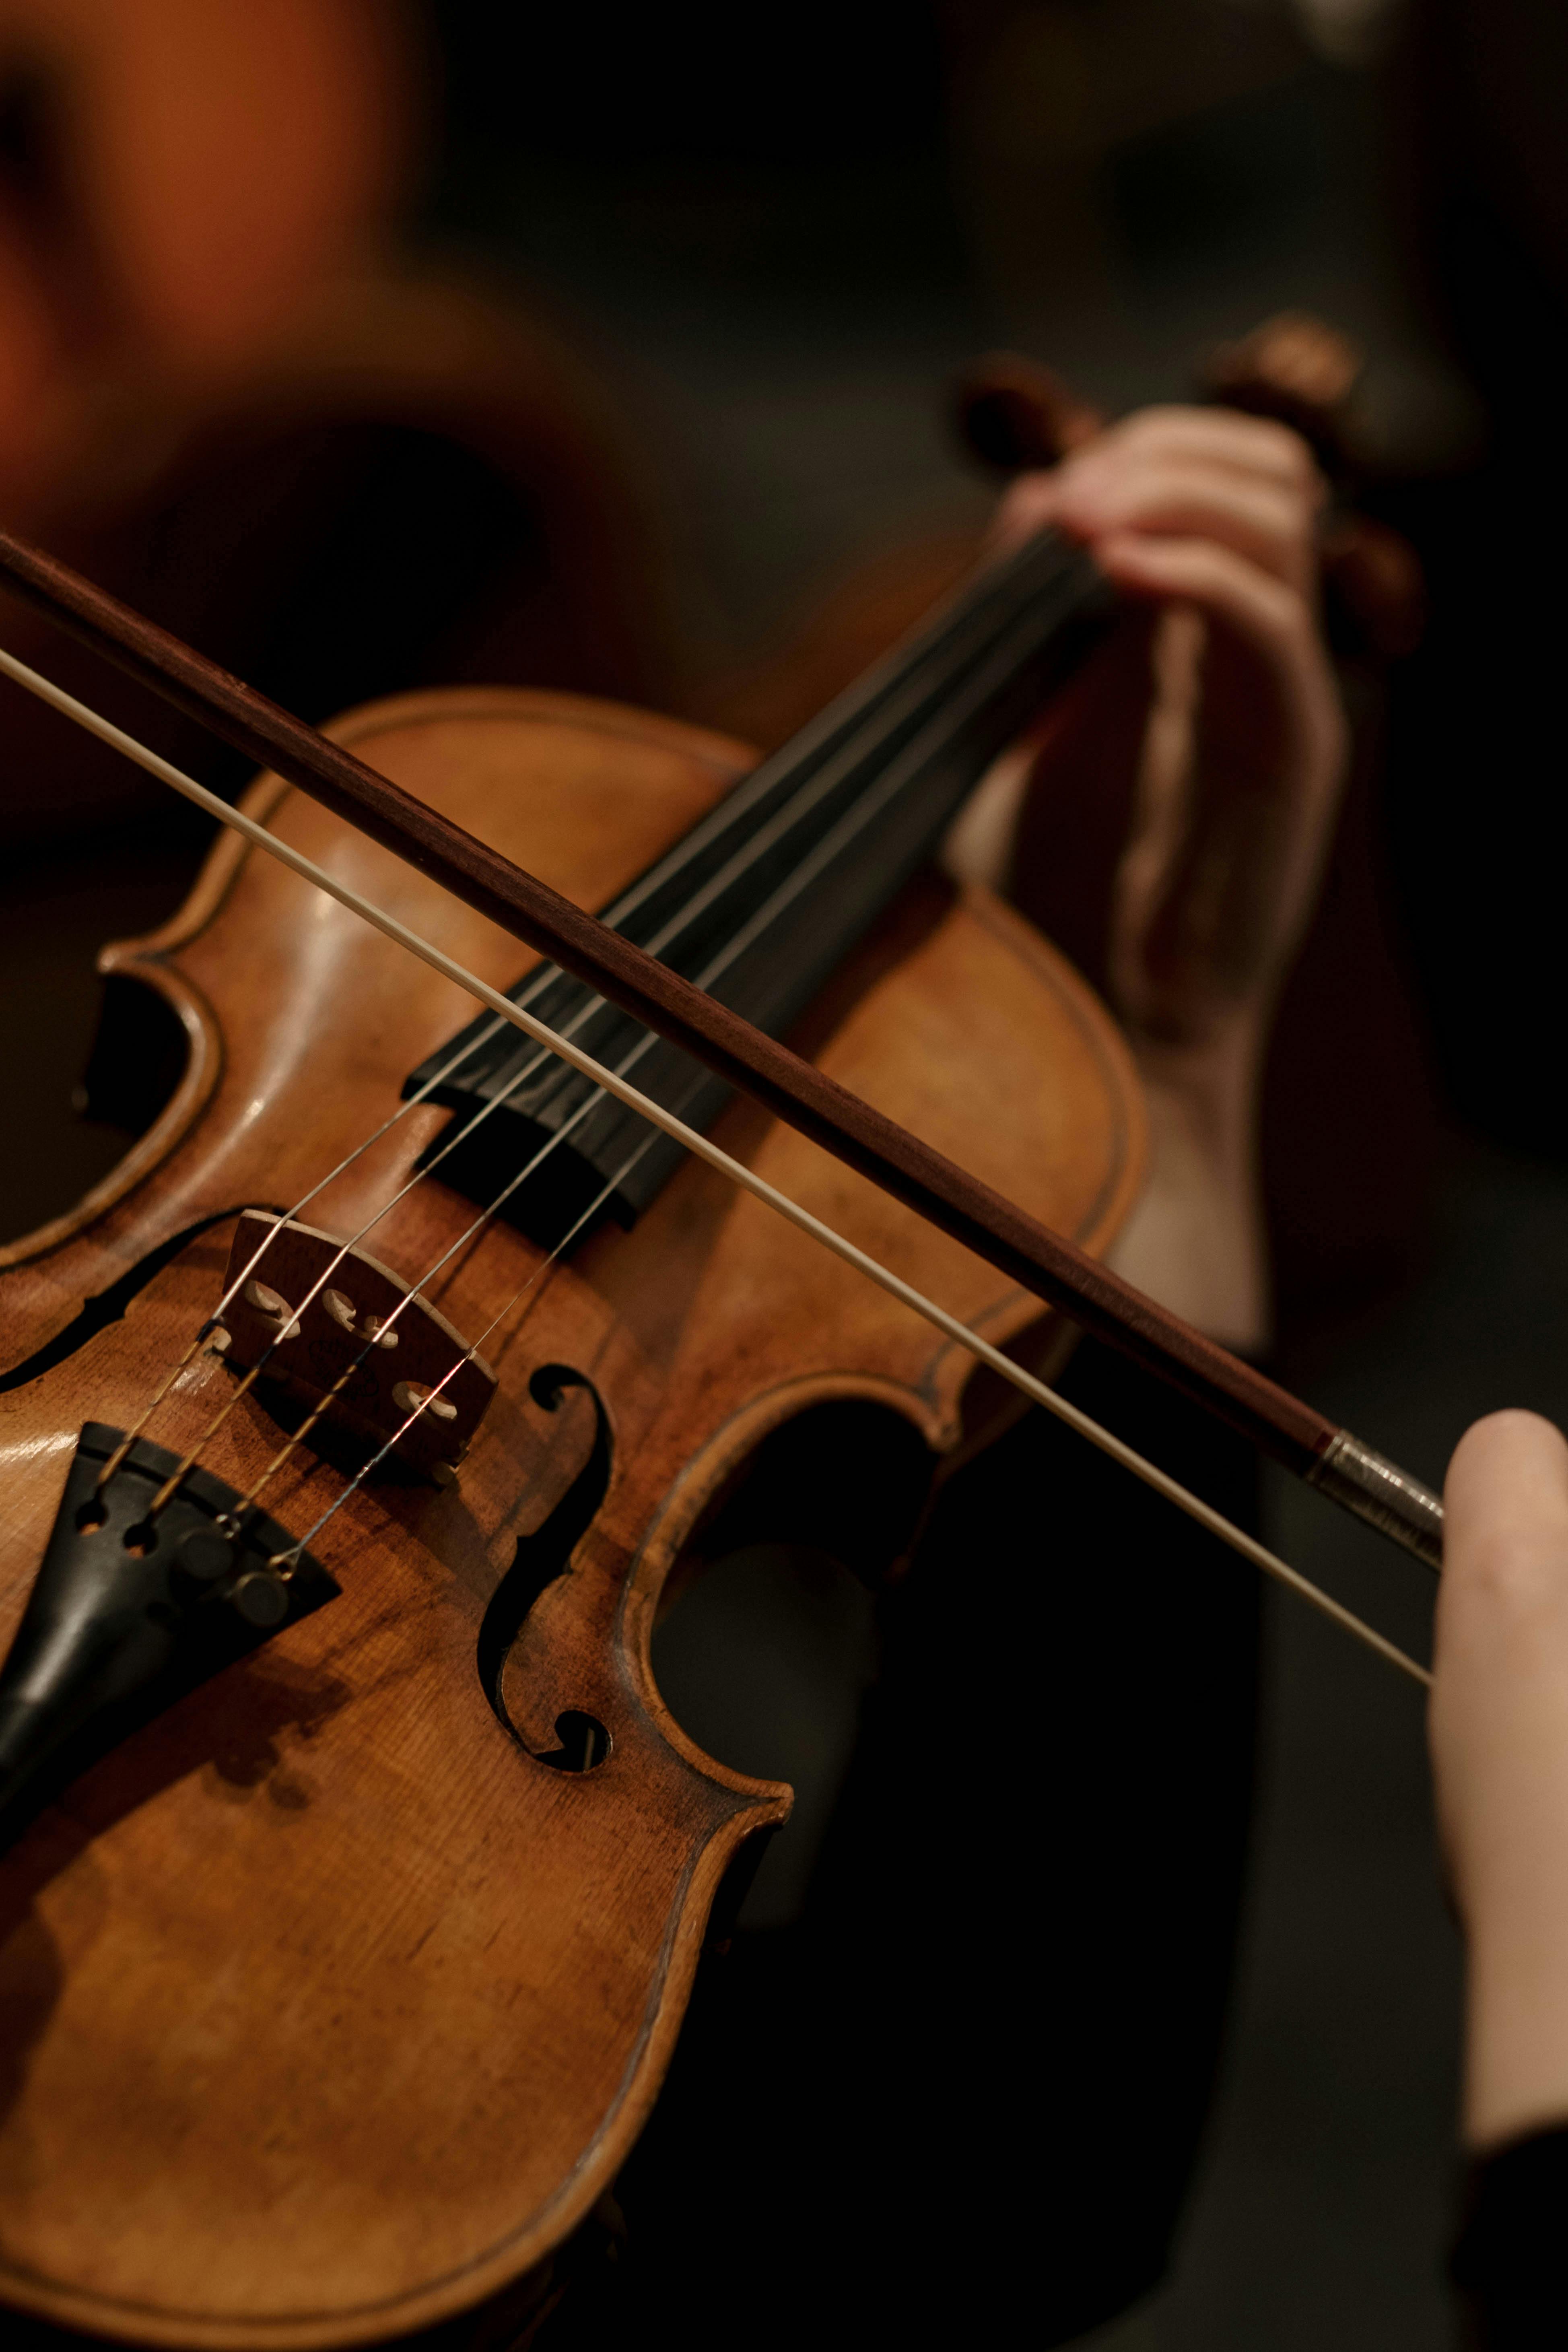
<point x="409" y="1377"/>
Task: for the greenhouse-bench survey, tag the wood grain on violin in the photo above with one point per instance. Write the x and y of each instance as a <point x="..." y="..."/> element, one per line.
<point x="331" y="1997"/>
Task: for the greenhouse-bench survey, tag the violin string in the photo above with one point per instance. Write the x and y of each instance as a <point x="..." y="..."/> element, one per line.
<point x="644" y="1043"/>
<point x="481" y="1223"/>
<point x="871" y="716"/>
<point x="734" y="1170"/>
<point x="471" y="1232"/>
<point x="862" y="813"/>
<point x="291" y="1314"/>
<point x="211" y="1321"/>
<point x="1170" y="1489"/>
<point x="799" y="804"/>
<point x="290" y="1323"/>
<point x="286" y="1561"/>
<point x="461" y="1134"/>
<point x="863" y="703"/>
<point x="805" y="797"/>
<point x="289" y="1320"/>
<point x="1000" y="662"/>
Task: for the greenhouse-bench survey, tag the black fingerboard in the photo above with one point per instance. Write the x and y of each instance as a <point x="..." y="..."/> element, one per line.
<point x="764" y="898"/>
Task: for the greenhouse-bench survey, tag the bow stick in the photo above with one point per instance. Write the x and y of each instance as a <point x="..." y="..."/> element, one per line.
<point x="1028" y="1252"/>
<point x="615" y="1084"/>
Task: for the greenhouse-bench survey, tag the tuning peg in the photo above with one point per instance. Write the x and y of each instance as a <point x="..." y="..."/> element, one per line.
<point x="1014" y="414"/>
<point x="1301" y="372"/>
<point x="1304" y="372"/>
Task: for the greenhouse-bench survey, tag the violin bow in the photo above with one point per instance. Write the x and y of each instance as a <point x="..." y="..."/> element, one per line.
<point x="1044" y="1263"/>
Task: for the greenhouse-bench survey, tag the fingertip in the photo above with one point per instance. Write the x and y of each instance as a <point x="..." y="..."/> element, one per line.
<point x="1511" y="1443"/>
<point x="1505" y="1498"/>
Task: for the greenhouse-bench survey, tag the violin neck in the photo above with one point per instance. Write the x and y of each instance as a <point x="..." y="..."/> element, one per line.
<point x="762" y="901"/>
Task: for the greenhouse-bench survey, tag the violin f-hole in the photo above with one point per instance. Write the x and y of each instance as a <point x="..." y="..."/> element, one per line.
<point x="584" y="1743"/>
<point x="539" y="1559"/>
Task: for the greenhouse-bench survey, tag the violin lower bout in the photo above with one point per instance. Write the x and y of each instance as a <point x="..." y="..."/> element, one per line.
<point x="464" y="1970"/>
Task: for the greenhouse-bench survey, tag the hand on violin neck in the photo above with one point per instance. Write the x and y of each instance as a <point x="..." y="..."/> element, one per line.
<point x="1195" y="777"/>
<point x="1232" y="758"/>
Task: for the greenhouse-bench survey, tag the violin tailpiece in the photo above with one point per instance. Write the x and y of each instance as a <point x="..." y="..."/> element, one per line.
<point x="124" y="1618"/>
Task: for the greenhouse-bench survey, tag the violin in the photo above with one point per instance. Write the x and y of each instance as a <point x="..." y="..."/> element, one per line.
<point x="356" y="1871"/>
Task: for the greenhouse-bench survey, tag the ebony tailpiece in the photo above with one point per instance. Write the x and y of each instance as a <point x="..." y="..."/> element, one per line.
<point x="113" y="1632"/>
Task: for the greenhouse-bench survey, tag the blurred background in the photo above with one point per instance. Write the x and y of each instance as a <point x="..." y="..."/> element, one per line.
<point x="374" y="345"/>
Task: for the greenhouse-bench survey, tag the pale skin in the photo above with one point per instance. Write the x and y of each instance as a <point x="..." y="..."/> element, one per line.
<point x="1208" y="518"/>
<point x="1499" y="1731"/>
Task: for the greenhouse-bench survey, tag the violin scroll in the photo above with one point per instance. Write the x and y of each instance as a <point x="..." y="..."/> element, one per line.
<point x="1014" y="414"/>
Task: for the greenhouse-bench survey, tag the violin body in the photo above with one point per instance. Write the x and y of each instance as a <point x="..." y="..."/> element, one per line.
<point x="331" y="2000"/>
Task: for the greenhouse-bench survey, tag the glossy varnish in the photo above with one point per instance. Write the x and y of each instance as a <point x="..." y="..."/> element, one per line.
<point x="325" y="2006"/>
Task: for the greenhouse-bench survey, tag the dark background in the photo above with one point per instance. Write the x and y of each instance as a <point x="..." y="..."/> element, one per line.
<point x="769" y="248"/>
